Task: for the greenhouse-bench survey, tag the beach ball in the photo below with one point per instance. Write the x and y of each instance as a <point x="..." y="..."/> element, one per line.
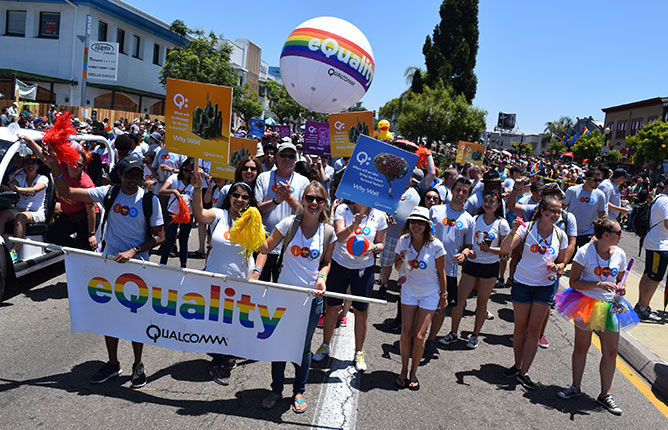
<point x="327" y="64"/>
<point x="357" y="245"/>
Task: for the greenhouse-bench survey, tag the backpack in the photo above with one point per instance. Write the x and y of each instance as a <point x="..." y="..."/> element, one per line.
<point x="327" y="238"/>
<point x="641" y="218"/>
<point x="108" y="201"/>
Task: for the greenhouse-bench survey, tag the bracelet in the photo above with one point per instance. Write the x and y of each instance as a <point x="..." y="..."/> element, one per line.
<point x="257" y="269"/>
<point x="275" y="202"/>
<point x="444" y="295"/>
<point x="197" y="188"/>
<point x="91" y="234"/>
<point x="322" y="276"/>
<point x="60" y="176"/>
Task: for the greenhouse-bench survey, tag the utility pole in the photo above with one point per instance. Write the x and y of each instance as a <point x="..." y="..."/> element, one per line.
<point x="84" y="73"/>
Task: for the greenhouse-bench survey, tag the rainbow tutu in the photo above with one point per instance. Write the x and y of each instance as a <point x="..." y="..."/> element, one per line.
<point x="596" y="315"/>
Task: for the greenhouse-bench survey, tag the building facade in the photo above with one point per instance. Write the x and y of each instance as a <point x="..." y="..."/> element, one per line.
<point x="627" y="119"/>
<point x="42" y="44"/>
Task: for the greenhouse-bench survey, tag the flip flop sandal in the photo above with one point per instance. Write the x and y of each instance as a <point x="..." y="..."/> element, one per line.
<point x="414" y="385"/>
<point x="297" y="405"/>
<point x="401" y="383"/>
<point x="270" y="401"/>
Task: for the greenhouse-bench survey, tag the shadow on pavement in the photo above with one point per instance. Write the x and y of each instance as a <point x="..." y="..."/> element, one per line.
<point x="507" y="315"/>
<point x="501" y="298"/>
<point x="492" y="374"/>
<point x="53" y="291"/>
<point x="378" y="380"/>
<point x="27" y="282"/>
<point x="546" y="395"/>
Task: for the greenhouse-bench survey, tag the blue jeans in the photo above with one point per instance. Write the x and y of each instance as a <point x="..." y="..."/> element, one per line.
<point x="170" y="237"/>
<point x="301" y="371"/>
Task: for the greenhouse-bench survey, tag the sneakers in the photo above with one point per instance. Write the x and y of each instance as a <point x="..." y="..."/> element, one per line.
<point x="569" y="392"/>
<point x="499" y="283"/>
<point x="230" y="363"/>
<point x="525" y="381"/>
<point x="448" y="339"/>
<point x="382" y="292"/>
<point x="608" y="402"/>
<point x="511" y="371"/>
<point x="430" y="349"/>
<point x="321" y="322"/>
<point x="490" y="316"/>
<point x="543" y="343"/>
<point x="106" y="372"/>
<point x="138" y="379"/>
<point x="14" y="256"/>
<point x="321" y="353"/>
<point x="646" y="313"/>
<point x="220" y="374"/>
<point x="360" y="361"/>
<point x="473" y="342"/>
<point x="342" y="321"/>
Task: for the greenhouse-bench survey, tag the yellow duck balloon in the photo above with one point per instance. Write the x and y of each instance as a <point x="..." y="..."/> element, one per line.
<point x="384" y="127"/>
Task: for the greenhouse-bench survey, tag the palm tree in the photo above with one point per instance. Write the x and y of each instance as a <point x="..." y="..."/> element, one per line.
<point x="559" y="128"/>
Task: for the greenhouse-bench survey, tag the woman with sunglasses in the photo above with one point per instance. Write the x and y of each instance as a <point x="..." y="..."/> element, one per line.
<point x="431" y="198"/>
<point x="31" y="188"/>
<point x="177" y="186"/>
<point x="543" y="252"/>
<point x="246" y="171"/>
<point x="420" y="257"/>
<point x="482" y="266"/>
<point x="225" y="256"/>
<point x="594" y="303"/>
<point x="302" y="269"/>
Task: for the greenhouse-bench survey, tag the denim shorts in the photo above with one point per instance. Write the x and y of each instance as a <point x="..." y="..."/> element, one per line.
<point x="526" y="294"/>
<point x="655" y="264"/>
<point x="361" y="284"/>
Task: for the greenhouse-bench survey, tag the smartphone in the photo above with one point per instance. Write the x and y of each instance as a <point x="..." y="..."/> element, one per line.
<point x="391" y="219"/>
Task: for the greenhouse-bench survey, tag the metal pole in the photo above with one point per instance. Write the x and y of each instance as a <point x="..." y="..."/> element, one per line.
<point x="184" y="271"/>
<point x="84" y="73"/>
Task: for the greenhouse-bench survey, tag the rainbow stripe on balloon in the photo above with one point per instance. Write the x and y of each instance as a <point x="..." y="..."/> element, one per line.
<point x="331" y="49"/>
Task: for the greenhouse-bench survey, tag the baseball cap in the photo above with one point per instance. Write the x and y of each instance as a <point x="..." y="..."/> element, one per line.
<point x="286" y="140"/>
<point x="286" y="145"/>
<point x="259" y="152"/>
<point x="418" y="174"/>
<point x="157" y="136"/>
<point x="129" y="163"/>
<point x="491" y="176"/>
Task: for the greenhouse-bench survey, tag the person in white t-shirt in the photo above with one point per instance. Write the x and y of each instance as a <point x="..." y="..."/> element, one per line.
<point x="306" y="264"/>
<point x="587" y="203"/>
<point x="178" y="186"/>
<point x="278" y="193"/>
<point x="656" y="254"/>
<point x="594" y="302"/>
<point x="31" y="187"/>
<point x="420" y="260"/>
<point x="225" y="257"/>
<point x="544" y="249"/>
<point x="360" y="231"/>
<point x="482" y="266"/>
<point x="126" y="236"/>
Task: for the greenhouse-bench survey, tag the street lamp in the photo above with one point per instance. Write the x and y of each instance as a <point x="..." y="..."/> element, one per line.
<point x="604" y="149"/>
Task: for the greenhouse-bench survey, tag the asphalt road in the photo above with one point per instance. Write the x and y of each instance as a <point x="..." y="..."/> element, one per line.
<point x="44" y="370"/>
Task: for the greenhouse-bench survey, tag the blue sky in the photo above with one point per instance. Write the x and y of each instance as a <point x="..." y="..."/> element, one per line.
<point x="538" y="59"/>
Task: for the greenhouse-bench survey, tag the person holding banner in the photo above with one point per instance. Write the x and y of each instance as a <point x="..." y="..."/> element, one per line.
<point x="178" y="187"/>
<point x="225" y="257"/>
<point x="360" y="232"/>
<point x="124" y="238"/>
<point x="306" y="253"/>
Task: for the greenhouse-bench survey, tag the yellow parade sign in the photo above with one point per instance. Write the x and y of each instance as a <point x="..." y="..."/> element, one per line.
<point x="239" y="149"/>
<point x="468" y="152"/>
<point x="345" y="128"/>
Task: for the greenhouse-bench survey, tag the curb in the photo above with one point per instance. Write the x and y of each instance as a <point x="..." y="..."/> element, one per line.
<point x="646" y="363"/>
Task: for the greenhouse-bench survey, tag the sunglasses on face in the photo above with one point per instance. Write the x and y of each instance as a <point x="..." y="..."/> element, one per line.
<point x="594" y="179"/>
<point x="617" y="232"/>
<point x="552" y="211"/>
<point x="244" y="197"/>
<point x="317" y="199"/>
<point x="431" y="198"/>
<point x="290" y="156"/>
<point x="249" y="168"/>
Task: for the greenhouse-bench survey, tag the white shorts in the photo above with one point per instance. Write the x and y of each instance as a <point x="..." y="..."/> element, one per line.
<point x="424" y="300"/>
<point x="38" y="216"/>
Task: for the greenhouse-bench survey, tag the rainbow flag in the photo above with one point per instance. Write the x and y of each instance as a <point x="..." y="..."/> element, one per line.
<point x="585" y="131"/>
<point x="573" y="139"/>
<point x="553" y="137"/>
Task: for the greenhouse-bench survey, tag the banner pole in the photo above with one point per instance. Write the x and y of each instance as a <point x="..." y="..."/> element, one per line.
<point x="186" y="270"/>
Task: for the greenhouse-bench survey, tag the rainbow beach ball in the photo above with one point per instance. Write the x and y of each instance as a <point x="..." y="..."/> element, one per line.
<point x="357" y="245"/>
<point x="327" y="64"/>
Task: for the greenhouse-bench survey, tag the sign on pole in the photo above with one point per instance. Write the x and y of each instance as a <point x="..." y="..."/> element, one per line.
<point x="316" y="138"/>
<point x="239" y="149"/>
<point x="468" y="152"/>
<point x="103" y="61"/>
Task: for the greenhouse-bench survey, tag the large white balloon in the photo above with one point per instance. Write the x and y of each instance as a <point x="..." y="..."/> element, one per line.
<point x="327" y="64"/>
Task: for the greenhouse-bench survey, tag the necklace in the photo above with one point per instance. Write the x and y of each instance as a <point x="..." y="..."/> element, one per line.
<point x="601" y="266"/>
<point x="415" y="262"/>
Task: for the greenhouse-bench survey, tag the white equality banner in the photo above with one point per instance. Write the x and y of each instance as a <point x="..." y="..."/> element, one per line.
<point x="188" y="312"/>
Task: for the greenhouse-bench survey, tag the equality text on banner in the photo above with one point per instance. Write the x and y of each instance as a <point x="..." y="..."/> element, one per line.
<point x="187" y="312"/>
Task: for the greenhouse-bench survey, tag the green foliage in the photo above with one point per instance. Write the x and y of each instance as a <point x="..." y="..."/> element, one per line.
<point x="450" y="53"/>
<point x="248" y="106"/>
<point x="556" y="147"/>
<point x="588" y="146"/>
<point x="559" y="128"/>
<point x="417" y="83"/>
<point x="284" y="106"/>
<point x="651" y="143"/>
<point x="522" y="147"/>
<point x="391" y="111"/>
<point x="613" y="156"/>
<point x="357" y="107"/>
<point x="437" y="114"/>
<point x="179" y="27"/>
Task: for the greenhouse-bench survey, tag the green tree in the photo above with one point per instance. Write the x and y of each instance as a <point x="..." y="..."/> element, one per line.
<point x="450" y="53"/>
<point x="281" y="103"/>
<point x="391" y="111"/>
<point x="179" y="27"/>
<point x="437" y="114"/>
<point x="559" y="128"/>
<point x="357" y="107"/>
<point x="651" y="143"/>
<point x="522" y="147"/>
<point x="588" y="146"/>
<point x="613" y="156"/>
<point x="248" y="105"/>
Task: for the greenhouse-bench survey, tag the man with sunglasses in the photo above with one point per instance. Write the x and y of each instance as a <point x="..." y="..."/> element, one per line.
<point x="278" y="193"/>
<point x="587" y="203"/>
<point x="610" y="188"/>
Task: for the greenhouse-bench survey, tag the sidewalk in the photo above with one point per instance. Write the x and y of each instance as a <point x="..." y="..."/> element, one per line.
<point x="645" y="347"/>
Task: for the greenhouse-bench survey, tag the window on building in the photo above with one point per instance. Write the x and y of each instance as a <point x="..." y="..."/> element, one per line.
<point x="102" y="31"/>
<point x="651" y="119"/>
<point x="49" y="24"/>
<point x="120" y="39"/>
<point x="136" y="44"/>
<point x="636" y="125"/>
<point x="621" y="130"/>
<point x="156" y="54"/>
<point x="16" y="23"/>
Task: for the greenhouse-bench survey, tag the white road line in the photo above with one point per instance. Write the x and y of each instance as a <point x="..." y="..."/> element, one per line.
<point x="337" y="403"/>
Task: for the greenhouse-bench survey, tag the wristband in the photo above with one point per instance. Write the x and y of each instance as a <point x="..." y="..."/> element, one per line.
<point x="349" y="229"/>
<point x="322" y="276"/>
<point x="60" y="176"/>
<point x="275" y="202"/>
<point x="257" y="269"/>
<point x="197" y="188"/>
<point x="444" y="295"/>
<point x="91" y="234"/>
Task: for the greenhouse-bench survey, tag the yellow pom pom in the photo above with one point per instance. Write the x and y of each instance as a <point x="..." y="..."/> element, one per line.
<point x="248" y="231"/>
